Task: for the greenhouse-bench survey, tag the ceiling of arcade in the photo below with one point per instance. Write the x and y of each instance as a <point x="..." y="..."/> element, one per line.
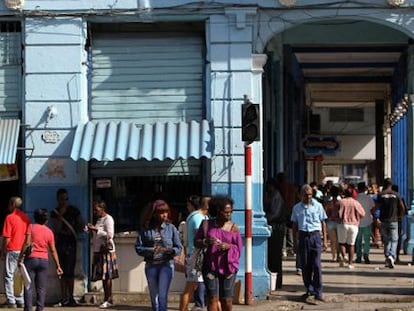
<point x="346" y="63"/>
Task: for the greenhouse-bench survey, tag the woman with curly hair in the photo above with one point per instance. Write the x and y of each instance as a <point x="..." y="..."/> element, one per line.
<point x="222" y="240"/>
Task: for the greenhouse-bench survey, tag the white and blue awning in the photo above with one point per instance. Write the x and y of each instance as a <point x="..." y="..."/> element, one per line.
<point x="109" y="141"/>
<point x="9" y="136"/>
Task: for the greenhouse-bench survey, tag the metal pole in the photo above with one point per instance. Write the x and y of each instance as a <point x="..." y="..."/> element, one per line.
<point x="248" y="285"/>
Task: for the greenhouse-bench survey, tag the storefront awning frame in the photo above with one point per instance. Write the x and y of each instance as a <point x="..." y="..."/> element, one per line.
<point x="110" y="141"/>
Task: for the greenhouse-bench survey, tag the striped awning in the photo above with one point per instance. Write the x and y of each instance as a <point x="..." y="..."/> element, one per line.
<point x="109" y="141"/>
<point x="9" y="136"/>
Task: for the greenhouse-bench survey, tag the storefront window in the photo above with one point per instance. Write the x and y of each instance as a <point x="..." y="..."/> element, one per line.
<point x="128" y="196"/>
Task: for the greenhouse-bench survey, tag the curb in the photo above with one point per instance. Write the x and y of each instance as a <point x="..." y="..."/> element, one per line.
<point x="334" y="298"/>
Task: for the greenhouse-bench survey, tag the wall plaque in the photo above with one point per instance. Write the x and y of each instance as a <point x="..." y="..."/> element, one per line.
<point x="50" y="137"/>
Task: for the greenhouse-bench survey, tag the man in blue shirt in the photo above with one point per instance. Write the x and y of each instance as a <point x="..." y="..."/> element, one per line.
<point x="308" y="218"/>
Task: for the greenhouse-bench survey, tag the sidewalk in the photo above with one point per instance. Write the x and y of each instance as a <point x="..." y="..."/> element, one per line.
<point x="367" y="287"/>
<point x="370" y="284"/>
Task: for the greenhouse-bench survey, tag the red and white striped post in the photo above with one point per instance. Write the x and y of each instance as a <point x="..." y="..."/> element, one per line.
<point x="248" y="284"/>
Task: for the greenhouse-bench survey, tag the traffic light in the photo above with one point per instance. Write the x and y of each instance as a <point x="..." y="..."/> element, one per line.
<point x="250" y="122"/>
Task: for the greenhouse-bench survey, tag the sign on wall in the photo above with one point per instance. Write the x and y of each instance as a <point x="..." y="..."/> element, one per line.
<point x="14" y="4"/>
<point x="314" y="145"/>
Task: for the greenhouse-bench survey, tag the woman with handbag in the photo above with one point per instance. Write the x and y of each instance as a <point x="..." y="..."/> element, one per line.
<point x="223" y="243"/>
<point x="198" y="209"/>
<point x="39" y="240"/>
<point x="158" y="242"/>
<point x="104" y="265"/>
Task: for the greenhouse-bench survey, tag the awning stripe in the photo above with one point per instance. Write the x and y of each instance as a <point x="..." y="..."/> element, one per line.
<point x="9" y="137"/>
<point x="105" y="141"/>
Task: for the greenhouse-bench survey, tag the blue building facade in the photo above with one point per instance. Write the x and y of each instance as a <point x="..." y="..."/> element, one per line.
<point x="122" y="95"/>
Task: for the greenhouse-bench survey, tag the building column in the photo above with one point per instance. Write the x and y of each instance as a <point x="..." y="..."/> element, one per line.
<point x="54" y="101"/>
<point x="234" y="71"/>
<point x="410" y="173"/>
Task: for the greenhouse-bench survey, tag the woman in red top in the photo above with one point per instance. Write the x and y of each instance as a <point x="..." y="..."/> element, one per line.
<point x="41" y="238"/>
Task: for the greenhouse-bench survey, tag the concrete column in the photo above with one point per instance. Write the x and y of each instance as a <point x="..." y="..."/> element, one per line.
<point x="55" y="76"/>
<point x="410" y="175"/>
<point x="234" y="72"/>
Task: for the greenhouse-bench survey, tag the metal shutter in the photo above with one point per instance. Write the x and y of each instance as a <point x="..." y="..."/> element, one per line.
<point x="147" y="77"/>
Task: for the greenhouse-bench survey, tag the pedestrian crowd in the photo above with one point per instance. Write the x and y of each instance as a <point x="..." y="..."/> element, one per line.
<point x="348" y="218"/>
<point x="212" y="246"/>
<point x="206" y="246"/>
<point x="26" y="247"/>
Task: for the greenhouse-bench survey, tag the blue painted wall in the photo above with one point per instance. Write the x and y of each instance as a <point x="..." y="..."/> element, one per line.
<point x="55" y="75"/>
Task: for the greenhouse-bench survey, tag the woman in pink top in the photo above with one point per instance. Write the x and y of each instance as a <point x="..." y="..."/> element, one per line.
<point x="42" y="240"/>
<point x="350" y="212"/>
<point x="223" y="243"/>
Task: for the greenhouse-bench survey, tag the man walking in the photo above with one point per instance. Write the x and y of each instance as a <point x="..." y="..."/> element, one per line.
<point x="274" y="207"/>
<point x="66" y="222"/>
<point x="308" y="218"/>
<point x="198" y="208"/>
<point x="363" y="239"/>
<point x="391" y="208"/>
<point x="290" y="195"/>
<point x="14" y="230"/>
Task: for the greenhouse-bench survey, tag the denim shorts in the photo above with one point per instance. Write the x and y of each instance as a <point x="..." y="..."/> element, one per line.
<point x="191" y="274"/>
<point x="219" y="285"/>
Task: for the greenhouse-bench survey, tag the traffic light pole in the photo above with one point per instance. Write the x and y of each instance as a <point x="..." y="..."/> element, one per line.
<point x="248" y="284"/>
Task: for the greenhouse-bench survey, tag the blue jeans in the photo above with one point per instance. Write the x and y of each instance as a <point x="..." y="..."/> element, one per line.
<point x="389" y="231"/>
<point x="159" y="278"/>
<point x="37" y="269"/>
<point x="199" y="295"/>
<point x="10" y="268"/>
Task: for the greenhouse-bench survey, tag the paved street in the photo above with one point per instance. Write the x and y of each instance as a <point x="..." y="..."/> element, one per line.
<point x="367" y="287"/>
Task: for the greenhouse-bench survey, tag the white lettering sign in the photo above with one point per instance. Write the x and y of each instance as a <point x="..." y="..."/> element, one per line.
<point x="51" y="137"/>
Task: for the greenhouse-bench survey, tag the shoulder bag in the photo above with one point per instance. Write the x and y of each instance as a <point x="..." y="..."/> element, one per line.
<point x="197" y="257"/>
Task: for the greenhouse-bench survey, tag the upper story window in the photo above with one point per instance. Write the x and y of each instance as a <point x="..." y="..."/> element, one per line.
<point x="346" y="114"/>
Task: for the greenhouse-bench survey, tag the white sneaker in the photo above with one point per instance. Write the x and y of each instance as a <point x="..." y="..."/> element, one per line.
<point x="105" y="305"/>
<point x="351" y="267"/>
<point x="391" y="262"/>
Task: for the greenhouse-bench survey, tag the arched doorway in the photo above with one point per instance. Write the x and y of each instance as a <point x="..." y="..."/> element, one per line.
<point x="330" y="91"/>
